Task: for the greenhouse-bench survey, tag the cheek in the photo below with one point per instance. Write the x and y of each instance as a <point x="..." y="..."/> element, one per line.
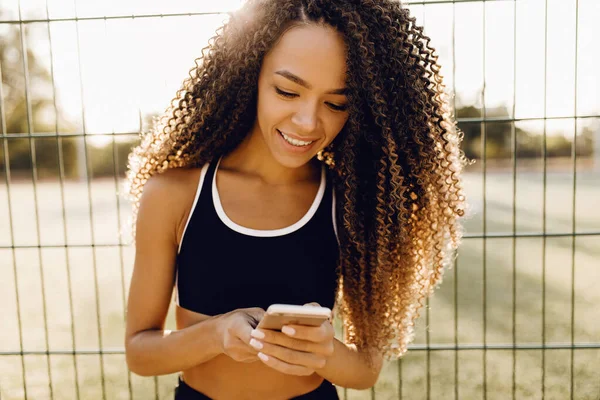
<point x="271" y="110"/>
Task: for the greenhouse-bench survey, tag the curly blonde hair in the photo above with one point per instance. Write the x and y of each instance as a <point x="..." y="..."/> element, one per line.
<point x="397" y="159"/>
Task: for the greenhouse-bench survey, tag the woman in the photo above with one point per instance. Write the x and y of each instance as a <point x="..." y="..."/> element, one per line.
<point x="236" y="211"/>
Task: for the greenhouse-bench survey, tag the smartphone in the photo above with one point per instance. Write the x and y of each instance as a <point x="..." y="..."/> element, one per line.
<point x="279" y="315"/>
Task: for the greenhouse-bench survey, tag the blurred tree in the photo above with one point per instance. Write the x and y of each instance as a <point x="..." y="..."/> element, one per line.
<point x="39" y="115"/>
<point x="499" y="138"/>
<point x="31" y="110"/>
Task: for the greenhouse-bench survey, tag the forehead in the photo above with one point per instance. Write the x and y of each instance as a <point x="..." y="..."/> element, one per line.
<point x="317" y="54"/>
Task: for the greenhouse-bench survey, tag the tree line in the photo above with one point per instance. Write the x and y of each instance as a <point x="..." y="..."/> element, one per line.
<point x="36" y="111"/>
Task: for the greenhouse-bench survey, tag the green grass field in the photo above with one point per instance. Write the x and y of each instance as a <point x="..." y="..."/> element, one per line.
<point x="469" y="295"/>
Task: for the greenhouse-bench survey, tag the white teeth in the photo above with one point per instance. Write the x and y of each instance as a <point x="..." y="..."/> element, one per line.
<point x="293" y="141"/>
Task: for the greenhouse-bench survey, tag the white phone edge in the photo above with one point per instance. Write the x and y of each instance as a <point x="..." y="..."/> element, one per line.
<point x="299" y="310"/>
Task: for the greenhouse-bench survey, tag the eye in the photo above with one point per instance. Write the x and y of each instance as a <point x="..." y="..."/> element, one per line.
<point x="336" y="107"/>
<point x="285" y="94"/>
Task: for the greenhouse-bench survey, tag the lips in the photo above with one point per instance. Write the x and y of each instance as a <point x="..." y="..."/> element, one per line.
<point x="302" y="139"/>
<point x="295" y="146"/>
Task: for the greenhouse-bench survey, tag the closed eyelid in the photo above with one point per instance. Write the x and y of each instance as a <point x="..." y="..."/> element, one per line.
<point x="334" y="106"/>
<point x="285" y="92"/>
<point x="339" y="107"/>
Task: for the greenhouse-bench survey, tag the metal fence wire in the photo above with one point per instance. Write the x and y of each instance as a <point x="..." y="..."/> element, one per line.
<point x="516" y="316"/>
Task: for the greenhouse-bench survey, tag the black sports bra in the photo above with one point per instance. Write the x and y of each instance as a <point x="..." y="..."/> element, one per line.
<point x="222" y="266"/>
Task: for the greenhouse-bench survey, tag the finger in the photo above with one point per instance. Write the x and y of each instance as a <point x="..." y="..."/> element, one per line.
<point x="246" y="355"/>
<point x="242" y="352"/>
<point x="278" y="338"/>
<point x="243" y="334"/>
<point x="243" y="341"/>
<point x="290" y="356"/>
<point x="315" y="334"/>
<point x="247" y="352"/>
<point x="284" y="367"/>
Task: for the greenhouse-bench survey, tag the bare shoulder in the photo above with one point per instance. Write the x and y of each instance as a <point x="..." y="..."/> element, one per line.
<point x="172" y="193"/>
<point x="173" y="186"/>
<point x="174" y="181"/>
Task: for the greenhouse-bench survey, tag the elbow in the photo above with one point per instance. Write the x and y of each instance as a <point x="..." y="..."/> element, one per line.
<point x="360" y="381"/>
<point x="365" y="384"/>
<point x="373" y="365"/>
<point x="137" y="367"/>
<point x="369" y="377"/>
<point x="135" y="363"/>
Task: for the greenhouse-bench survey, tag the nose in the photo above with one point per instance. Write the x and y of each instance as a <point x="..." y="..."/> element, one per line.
<point x="306" y="118"/>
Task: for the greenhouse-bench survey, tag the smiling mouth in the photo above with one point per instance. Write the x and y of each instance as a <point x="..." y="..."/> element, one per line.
<point x="295" y="142"/>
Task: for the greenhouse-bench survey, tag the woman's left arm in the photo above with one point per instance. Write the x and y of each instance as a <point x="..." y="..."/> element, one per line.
<point x="307" y="350"/>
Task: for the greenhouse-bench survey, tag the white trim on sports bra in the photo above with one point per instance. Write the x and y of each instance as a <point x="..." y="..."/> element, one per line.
<point x="270" y="232"/>
<point x="333" y="215"/>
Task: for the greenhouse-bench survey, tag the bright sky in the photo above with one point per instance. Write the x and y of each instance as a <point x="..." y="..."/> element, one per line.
<point x="131" y="65"/>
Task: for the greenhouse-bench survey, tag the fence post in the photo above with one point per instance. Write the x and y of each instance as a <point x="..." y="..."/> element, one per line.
<point x="596" y="146"/>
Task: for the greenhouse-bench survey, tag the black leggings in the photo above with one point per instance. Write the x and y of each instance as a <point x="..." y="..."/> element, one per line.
<point x="326" y="391"/>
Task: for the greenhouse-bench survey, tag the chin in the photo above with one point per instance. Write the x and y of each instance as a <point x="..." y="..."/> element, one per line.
<point x="294" y="161"/>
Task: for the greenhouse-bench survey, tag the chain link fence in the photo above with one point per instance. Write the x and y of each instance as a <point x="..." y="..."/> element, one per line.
<point x="517" y="315"/>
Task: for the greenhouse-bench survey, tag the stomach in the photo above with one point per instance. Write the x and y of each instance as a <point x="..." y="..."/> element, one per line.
<point x="224" y="378"/>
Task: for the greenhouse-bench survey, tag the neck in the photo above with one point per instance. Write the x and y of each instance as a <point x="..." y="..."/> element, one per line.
<point x="253" y="157"/>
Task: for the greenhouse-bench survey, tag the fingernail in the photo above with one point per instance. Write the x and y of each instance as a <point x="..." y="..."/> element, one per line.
<point x="263" y="356"/>
<point x="257" y="334"/>
<point x="256" y="344"/>
<point x="288" y="331"/>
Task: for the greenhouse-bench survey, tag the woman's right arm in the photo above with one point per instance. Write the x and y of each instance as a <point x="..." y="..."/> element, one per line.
<point x="151" y="350"/>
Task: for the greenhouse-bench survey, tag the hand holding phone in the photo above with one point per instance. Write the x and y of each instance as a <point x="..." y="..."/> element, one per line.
<point x="302" y="349"/>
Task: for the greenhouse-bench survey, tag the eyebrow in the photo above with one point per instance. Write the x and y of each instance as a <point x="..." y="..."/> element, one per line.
<point x="296" y="79"/>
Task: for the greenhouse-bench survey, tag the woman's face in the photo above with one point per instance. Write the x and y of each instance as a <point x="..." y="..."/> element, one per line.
<point x="301" y="101"/>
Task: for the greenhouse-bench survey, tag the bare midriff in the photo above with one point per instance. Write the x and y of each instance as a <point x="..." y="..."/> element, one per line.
<point x="224" y="378"/>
